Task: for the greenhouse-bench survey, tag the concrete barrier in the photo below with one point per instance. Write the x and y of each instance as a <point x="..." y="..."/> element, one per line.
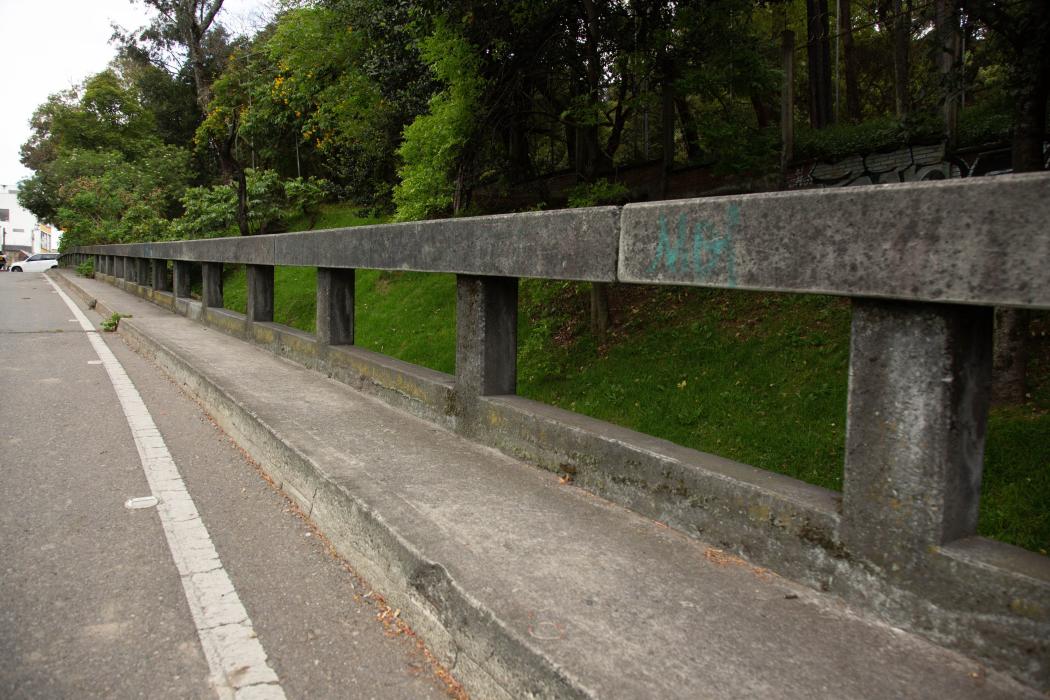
<point x="923" y="262"/>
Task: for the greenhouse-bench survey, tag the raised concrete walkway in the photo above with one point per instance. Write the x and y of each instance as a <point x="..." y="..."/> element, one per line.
<point x="526" y="586"/>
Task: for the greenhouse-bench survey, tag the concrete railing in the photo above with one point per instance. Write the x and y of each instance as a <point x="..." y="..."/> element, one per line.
<point x="924" y="264"/>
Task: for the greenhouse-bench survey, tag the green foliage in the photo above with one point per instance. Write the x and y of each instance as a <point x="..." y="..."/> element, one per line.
<point x="113" y="322"/>
<point x="265" y="200"/>
<point x="209" y="211"/>
<point x="977" y="125"/>
<point x="434" y="141"/>
<point x="600" y="192"/>
<point x="303" y="197"/>
<point x="101" y="173"/>
<point x="86" y="268"/>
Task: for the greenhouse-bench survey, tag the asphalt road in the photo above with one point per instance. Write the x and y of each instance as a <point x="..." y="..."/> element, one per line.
<point x="91" y="600"/>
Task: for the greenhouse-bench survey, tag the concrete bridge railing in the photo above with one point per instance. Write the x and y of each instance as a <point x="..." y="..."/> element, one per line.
<point x="924" y="264"/>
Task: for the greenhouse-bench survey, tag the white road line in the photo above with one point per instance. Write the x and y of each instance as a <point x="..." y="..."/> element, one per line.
<point x="236" y="657"/>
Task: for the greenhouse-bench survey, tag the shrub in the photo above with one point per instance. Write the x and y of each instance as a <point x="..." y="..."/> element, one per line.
<point x="598" y="193"/>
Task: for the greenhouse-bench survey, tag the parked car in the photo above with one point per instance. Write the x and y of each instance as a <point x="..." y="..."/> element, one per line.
<point x="36" y="263"/>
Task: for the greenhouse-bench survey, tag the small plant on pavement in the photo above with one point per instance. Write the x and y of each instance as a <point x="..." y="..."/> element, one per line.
<point x="111" y="323"/>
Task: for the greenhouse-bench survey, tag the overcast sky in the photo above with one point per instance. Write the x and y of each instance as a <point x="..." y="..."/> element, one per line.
<point x="48" y="45"/>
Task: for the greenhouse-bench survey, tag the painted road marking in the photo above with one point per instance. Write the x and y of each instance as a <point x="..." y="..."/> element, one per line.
<point x="236" y="657"/>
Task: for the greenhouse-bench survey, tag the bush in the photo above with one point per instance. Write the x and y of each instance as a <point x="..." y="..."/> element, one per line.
<point x="209" y="211"/>
<point x="598" y="193"/>
<point x="304" y="197"/>
<point x="977" y="125"/>
<point x="86" y="268"/>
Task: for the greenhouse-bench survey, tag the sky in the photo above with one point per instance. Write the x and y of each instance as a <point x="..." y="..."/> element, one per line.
<point x="49" y="45"/>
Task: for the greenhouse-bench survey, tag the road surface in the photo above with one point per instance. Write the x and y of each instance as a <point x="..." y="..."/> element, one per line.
<point x="93" y="601"/>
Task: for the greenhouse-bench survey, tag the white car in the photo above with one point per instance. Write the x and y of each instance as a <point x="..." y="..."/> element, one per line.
<point x="36" y="263"/>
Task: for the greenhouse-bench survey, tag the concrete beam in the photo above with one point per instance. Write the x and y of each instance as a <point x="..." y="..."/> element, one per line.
<point x="919" y="390"/>
<point x="335" y="306"/>
<point x="578" y="244"/>
<point x="971" y="241"/>
<point x="242" y="250"/>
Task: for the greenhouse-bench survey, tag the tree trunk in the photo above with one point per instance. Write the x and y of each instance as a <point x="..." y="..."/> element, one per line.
<point x="949" y="47"/>
<point x="600" y="310"/>
<point x="849" y="56"/>
<point x="667" y="134"/>
<point x="901" y="33"/>
<point x="1012" y="326"/>
<point x="589" y="149"/>
<point x="1030" y="117"/>
<point x="242" y="203"/>
<point x="689" y="130"/>
<point x="1010" y="358"/>
<point x="818" y="52"/>
<point x="787" y="101"/>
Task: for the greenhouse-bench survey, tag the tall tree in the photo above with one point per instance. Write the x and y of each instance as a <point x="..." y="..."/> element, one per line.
<point x="849" y="60"/>
<point x="1022" y="30"/>
<point x="895" y="17"/>
<point x="186" y="34"/>
<point x="818" y="52"/>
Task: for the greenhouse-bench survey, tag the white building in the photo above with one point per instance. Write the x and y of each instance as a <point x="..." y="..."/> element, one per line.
<point x="20" y="232"/>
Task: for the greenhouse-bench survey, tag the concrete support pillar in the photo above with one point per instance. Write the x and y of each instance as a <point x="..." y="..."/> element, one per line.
<point x="260" y="293"/>
<point x="180" y="274"/>
<point x="142" y="271"/>
<point x="121" y="267"/>
<point x="486" y="335"/>
<point x="919" y="391"/>
<point x="335" y="306"/>
<point x="211" y="287"/>
<point x="160" y="276"/>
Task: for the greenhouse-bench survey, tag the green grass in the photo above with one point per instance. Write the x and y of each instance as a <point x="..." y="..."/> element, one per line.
<point x="759" y="378"/>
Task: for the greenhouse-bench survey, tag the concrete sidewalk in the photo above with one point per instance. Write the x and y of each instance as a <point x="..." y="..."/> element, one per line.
<point x="523" y="585"/>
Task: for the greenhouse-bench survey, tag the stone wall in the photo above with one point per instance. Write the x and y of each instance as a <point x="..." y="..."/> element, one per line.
<point x="908" y="164"/>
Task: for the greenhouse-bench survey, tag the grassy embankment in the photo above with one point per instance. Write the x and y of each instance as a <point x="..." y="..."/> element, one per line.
<point x="760" y="378"/>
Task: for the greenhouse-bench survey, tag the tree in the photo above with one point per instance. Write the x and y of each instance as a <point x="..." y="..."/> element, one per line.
<point x="1022" y="32"/>
<point x="100" y="172"/>
<point x="184" y="35"/>
<point x="849" y="60"/>
<point x="818" y="51"/>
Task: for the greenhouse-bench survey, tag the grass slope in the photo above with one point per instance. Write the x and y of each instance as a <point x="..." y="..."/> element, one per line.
<point x="759" y="378"/>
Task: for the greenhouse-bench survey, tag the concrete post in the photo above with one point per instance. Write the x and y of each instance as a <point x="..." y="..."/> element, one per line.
<point x="486" y="335"/>
<point x="260" y="293"/>
<point x="211" y="288"/>
<point x="919" y="390"/>
<point x="121" y="267"/>
<point x="160" y="276"/>
<point x="142" y="272"/>
<point x="181" y="278"/>
<point x="335" y="306"/>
